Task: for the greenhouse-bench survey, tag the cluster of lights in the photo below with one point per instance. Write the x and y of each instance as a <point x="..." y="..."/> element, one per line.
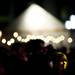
<point x="11" y="41"/>
<point x="70" y="24"/>
<point x="59" y="39"/>
<point x="46" y="39"/>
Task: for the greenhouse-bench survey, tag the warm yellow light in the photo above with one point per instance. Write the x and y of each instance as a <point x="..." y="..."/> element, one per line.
<point x="69" y="40"/>
<point x="56" y="41"/>
<point x="12" y="40"/>
<point x="65" y="61"/>
<point x="15" y="34"/>
<point x="62" y="37"/>
<point x="33" y="37"/>
<point x="23" y="40"/>
<point x="46" y="40"/>
<point x="61" y="62"/>
<point x="29" y="36"/>
<point x="3" y="41"/>
<point x="19" y="38"/>
<point x="0" y="33"/>
<point x="26" y="40"/>
<point x="65" y="64"/>
<point x="8" y="43"/>
<point x="40" y="37"/>
<point x="51" y="38"/>
<point x="59" y="53"/>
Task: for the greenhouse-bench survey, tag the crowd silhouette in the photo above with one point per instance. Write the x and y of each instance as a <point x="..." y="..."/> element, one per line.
<point x="35" y="58"/>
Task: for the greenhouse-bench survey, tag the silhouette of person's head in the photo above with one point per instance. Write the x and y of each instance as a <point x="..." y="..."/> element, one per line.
<point x="34" y="46"/>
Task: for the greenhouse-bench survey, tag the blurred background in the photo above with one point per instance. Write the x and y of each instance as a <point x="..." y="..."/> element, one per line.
<point x="51" y="21"/>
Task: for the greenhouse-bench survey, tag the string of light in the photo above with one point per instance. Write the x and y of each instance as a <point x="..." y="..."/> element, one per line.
<point x="46" y="39"/>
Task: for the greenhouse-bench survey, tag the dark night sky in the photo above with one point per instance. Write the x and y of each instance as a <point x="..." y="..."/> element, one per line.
<point x="10" y="9"/>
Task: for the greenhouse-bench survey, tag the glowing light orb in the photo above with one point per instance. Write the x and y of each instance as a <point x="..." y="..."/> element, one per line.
<point x="3" y="41"/>
<point x="12" y="40"/>
<point x="0" y="33"/>
<point x="15" y="34"/>
<point x="8" y="43"/>
<point x="70" y="40"/>
<point x="19" y="38"/>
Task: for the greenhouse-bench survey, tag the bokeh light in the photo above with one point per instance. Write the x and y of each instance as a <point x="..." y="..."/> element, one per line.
<point x="26" y="40"/>
<point x="68" y="25"/>
<point x="15" y="34"/>
<point x="0" y="33"/>
<point x="19" y="38"/>
<point x="70" y="40"/>
<point x="8" y="43"/>
<point x="3" y="41"/>
<point x="62" y="37"/>
<point x="12" y="40"/>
